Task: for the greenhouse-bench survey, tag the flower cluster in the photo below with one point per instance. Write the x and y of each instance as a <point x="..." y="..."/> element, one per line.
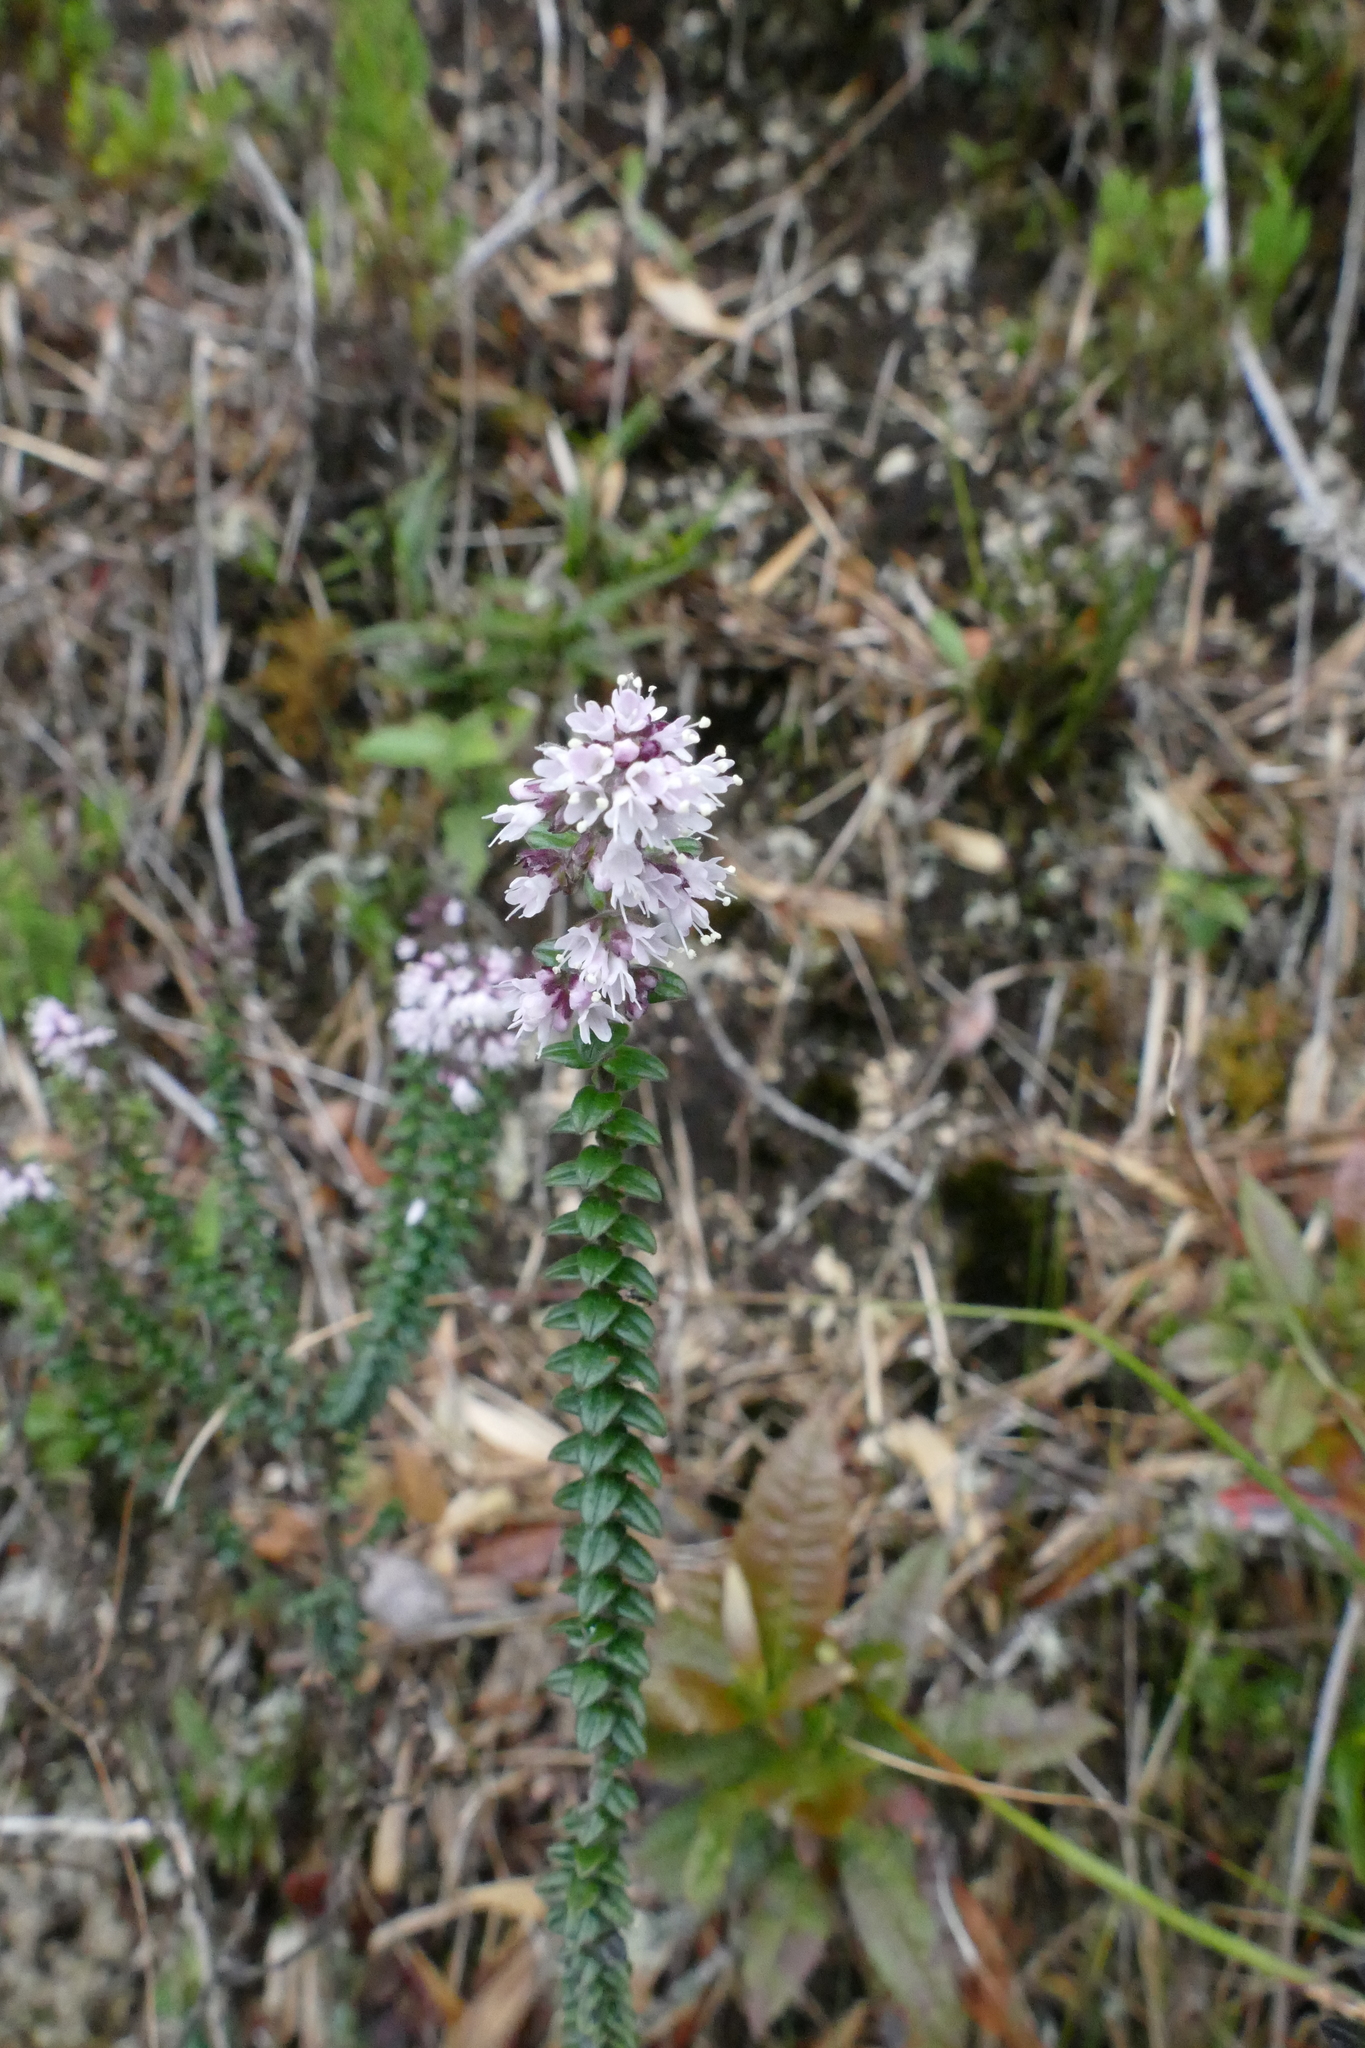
<point x="451" y="1005"/>
<point x="618" y="812"/>
<point x="63" y="1043"/>
<point x="28" y="1183"/>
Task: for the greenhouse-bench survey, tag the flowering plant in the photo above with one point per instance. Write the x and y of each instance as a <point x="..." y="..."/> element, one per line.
<point x="62" y="1042"/>
<point x="450" y="1005"/>
<point x="27" y="1183"/>
<point x="618" y="815"/>
<point x="451" y="1022"/>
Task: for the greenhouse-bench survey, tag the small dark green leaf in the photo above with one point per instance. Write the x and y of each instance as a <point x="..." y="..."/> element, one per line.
<point x="637" y="1181"/>
<point x="630" y="1273"/>
<point x="641" y="1463"/>
<point x="600" y="1407"/>
<point x="565" y="1175"/>
<point x="571" y="1052"/>
<point x="597" y="1264"/>
<point x="597" y="1312"/>
<point x="633" y="1608"/>
<point x="630" y="1744"/>
<point x="567" y="1268"/>
<point x="597" y="1215"/>
<point x="547" y="842"/>
<point x="598" y="1164"/>
<point x="587" y="1683"/>
<point x="594" y="1726"/>
<point x="593" y="1372"/>
<point x="598" y="1450"/>
<point x="634" y="1231"/>
<point x="637" y="1365"/>
<point x="635" y="1562"/>
<point x="589" y="1108"/>
<point x="576" y="1358"/>
<point x="563" y="1315"/>
<point x="628" y="1127"/>
<point x="600" y="1497"/>
<point x="632" y="1064"/>
<point x="637" y="1411"/>
<point x="670" y="987"/>
<point x="634" y="1327"/>
<point x="599" y="1547"/>
<point x="595" y="1594"/>
<point x="639" y="1512"/>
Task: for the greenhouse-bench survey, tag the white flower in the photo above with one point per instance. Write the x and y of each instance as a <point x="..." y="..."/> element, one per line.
<point x="529" y="894"/>
<point x="451" y="1005"/>
<point x="629" y="786"/>
<point x="62" y="1043"/>
<point x="414" y="1212"/>
<point x="28" y="1183"/>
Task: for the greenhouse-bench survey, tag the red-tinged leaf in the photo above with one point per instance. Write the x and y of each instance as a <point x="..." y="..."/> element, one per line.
<point x="899" y="1932"/>
<point x="306" y="1889"/>
<point x="902" y="1609"/>
<point x="516" y="1556"/>
<point x="792" y="1541"/>
<point x="999" y="1728"/>
<point x="1348" y="1198"/>
<point x="780" y="1940"/>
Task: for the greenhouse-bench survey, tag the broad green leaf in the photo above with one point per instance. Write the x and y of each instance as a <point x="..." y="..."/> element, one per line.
<point x="902" y="1608"/>
<point x="1276" y="237"/>
<point x="1274" y="1245"/>
<point x="1288" y="1411"/>
<point x="707" y="1862"/>
<point x="1001" y="1729"/>
<point x="1347" y="1780"/>
<point x="780" y="1939"/>
<point x="792" y="1542"/>
<point x="1204" y="1352"/>
<point x="206" y="1224"/>
<point x="464" y="841"/>
<point x="946" y="635"/>
<point x="897" y="1928"/>
<point x="447" y="747"/>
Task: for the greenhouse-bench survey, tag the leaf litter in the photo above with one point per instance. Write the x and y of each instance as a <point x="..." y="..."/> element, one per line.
<point x="1028" y="874"/>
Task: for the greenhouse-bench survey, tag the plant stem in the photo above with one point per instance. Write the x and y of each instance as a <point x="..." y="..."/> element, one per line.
<point x="1344" y="1555"/>
<point x="1088" y="1865"/>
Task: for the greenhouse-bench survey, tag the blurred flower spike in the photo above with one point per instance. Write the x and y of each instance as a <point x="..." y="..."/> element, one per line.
<point x="618" y="813"/>
<point x="62" y="1042"/>
<point x="452" y="1004"/>
<point x="28" y="1183"/>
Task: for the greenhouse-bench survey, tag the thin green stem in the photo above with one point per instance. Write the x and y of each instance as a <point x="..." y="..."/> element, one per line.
<point x="1234" y="1947"/>
<point x="1166" y="1390"/>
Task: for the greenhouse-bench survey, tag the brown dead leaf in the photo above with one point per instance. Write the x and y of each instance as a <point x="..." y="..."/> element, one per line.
<point x="417" y="1482"/>
<point x="495" y="2013"/>
<point x="519" y="1557"/>
<point x="310" y="674"/>
<point x="985" y="853"/>
<point x="793" y="904"/>
<point x="284" y="1534"/>
<point x="1175" y="515"/>
<point x="990" y="1994"/>
<point x="366" y="1163"/>
<point x="684" y="303"/>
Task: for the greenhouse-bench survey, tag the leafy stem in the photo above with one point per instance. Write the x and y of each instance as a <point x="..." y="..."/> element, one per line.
<point x="611" y="1379"/>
